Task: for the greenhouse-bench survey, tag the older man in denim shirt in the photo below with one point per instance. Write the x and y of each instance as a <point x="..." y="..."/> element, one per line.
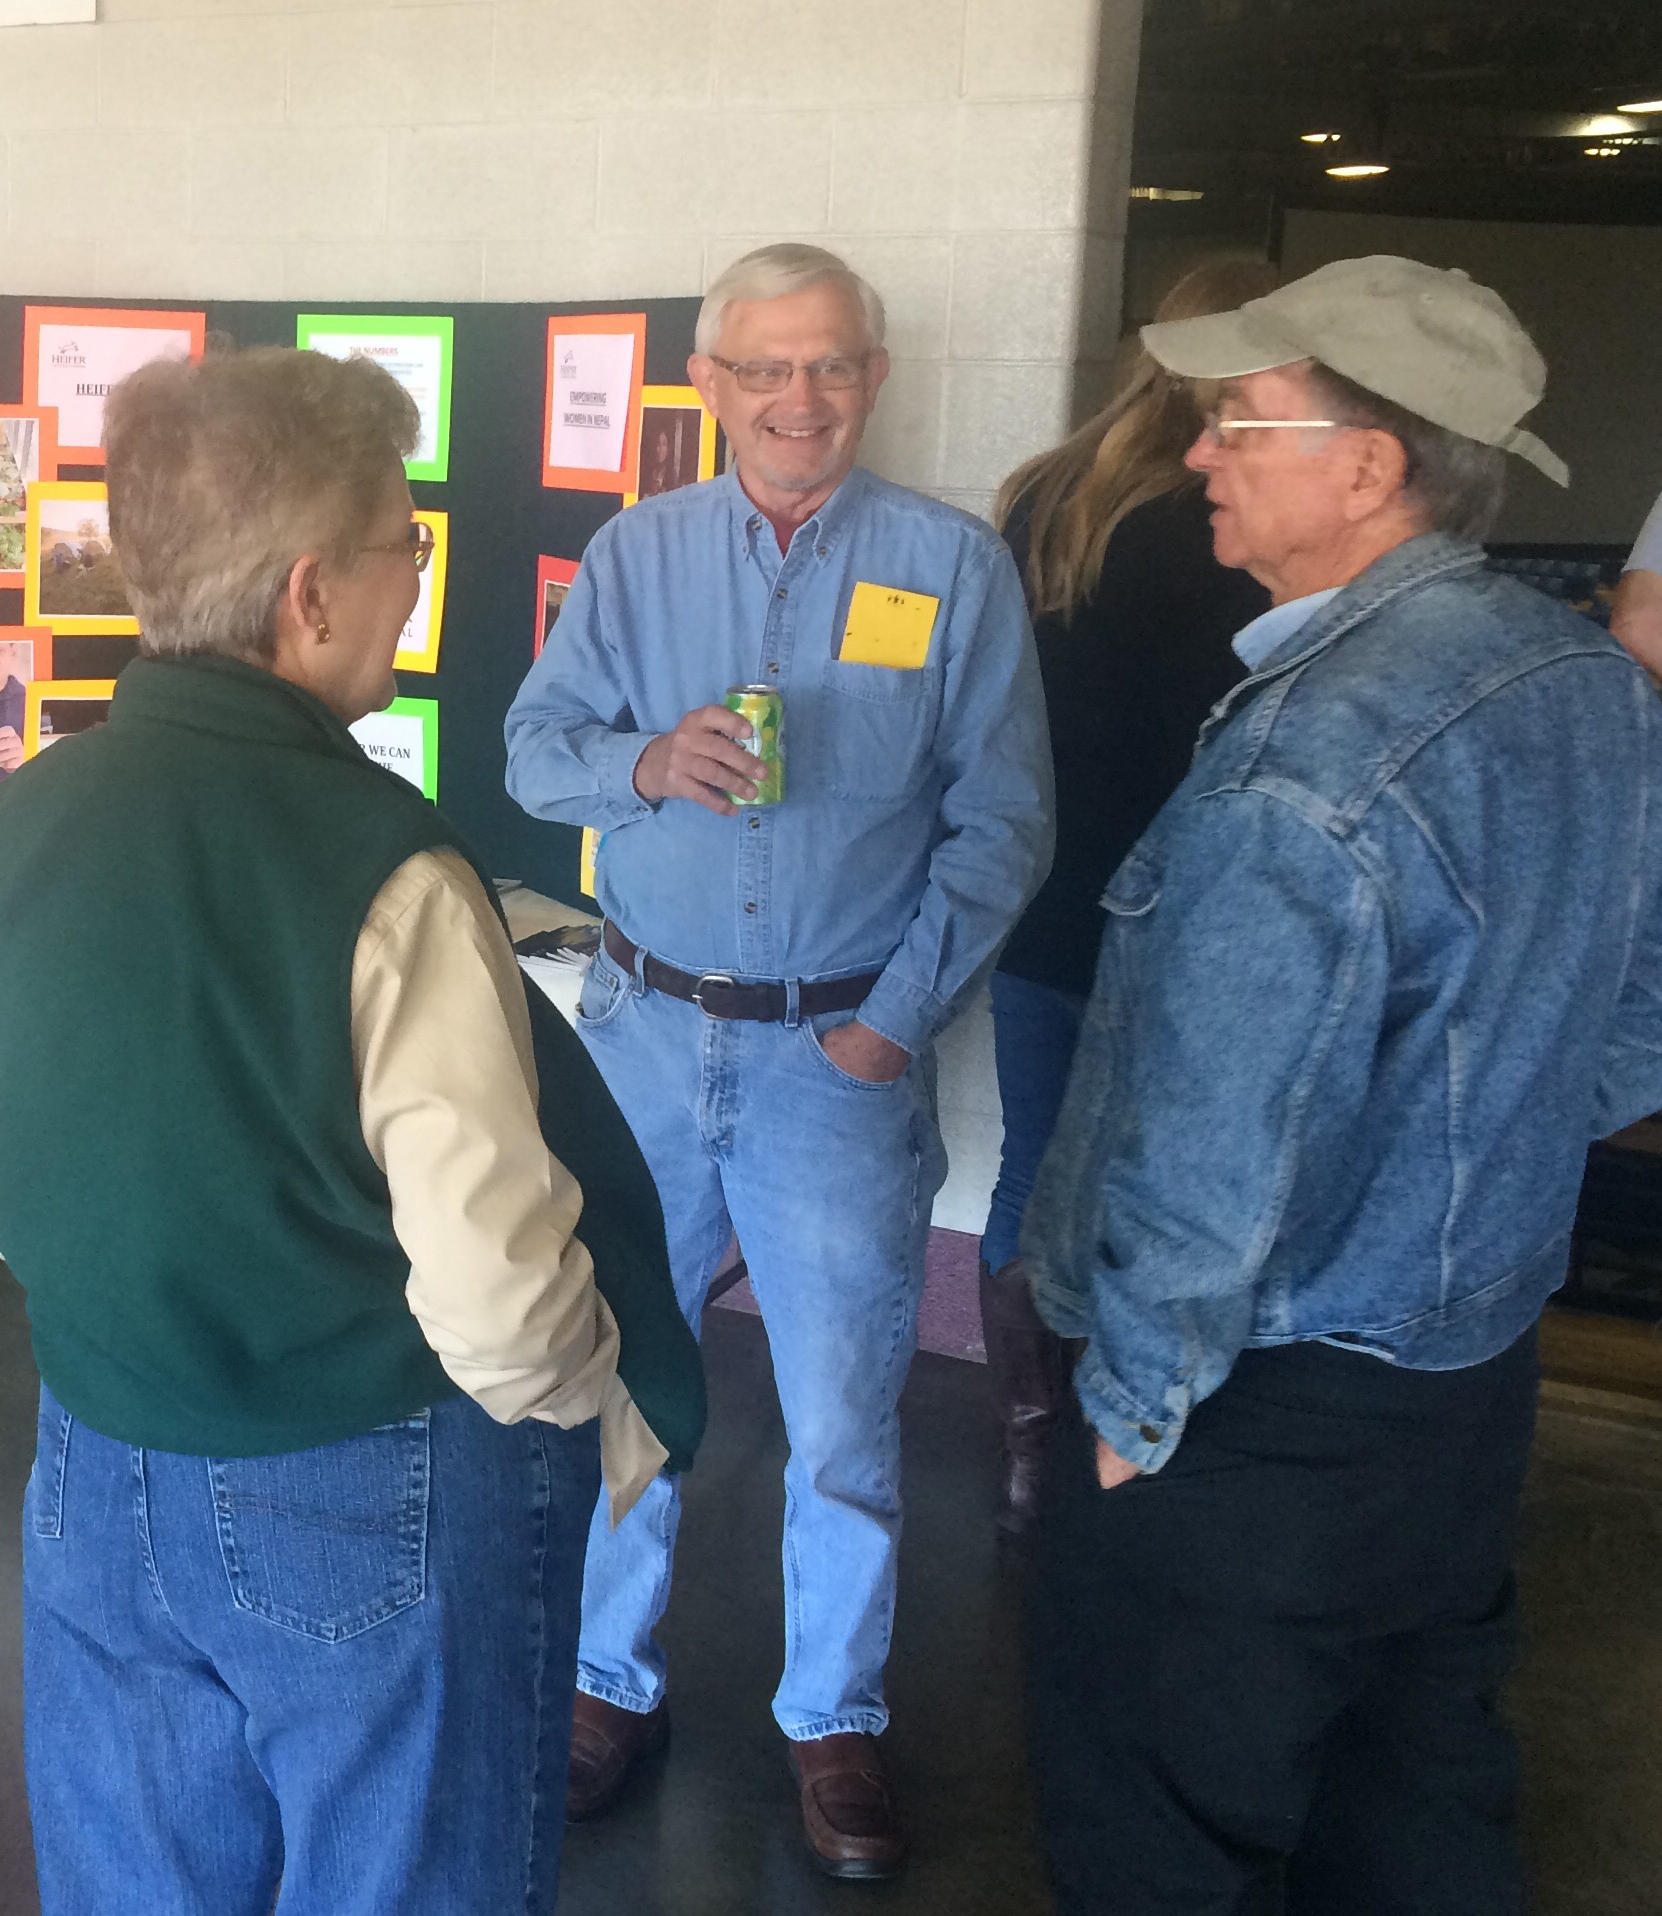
<point x="1380" y="971"/>
<point x="772" y="977"/>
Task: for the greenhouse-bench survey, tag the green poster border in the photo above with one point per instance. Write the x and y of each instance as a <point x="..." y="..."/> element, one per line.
<point x="440" y="326"/>
<point x="427" y="710"/>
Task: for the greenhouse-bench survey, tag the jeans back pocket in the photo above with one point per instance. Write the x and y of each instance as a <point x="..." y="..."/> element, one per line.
<point x="332" y="1541"/>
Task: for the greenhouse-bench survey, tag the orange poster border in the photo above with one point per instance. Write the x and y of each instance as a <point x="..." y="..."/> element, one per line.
<point x="133" y="318"/>
<point x="46" y="417"/>
<point x="40" y="637"/>
<point x="590" y="478"/>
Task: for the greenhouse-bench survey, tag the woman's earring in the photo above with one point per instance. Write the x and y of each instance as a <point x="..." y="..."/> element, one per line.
<point x="323" y="633"/>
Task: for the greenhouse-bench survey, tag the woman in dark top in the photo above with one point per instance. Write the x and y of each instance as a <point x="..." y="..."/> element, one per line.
<point x="1133" y="618"/>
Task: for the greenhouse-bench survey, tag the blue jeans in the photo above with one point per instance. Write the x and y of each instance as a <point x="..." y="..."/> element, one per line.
<point x="828" y="1182"/>
<point x="349" y="1667"/>
<point x="1035" y="1030"/>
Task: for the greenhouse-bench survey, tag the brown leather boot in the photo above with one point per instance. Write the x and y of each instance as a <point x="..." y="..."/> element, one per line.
<point x="848" y="1807"/>
<point x="1028" y="1370"/>
<point x="606" y="1744"/>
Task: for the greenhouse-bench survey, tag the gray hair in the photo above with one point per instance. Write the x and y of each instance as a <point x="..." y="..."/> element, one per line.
<point x="222" y="474"/>
<point x="773" y="271"/>
<point x="1456" y="484"/>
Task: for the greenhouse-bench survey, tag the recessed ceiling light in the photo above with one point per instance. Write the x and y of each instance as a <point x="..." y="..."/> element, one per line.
<point x="1641" y="106"/>
<point x="1602" y="152"/>
<point x="1319" y="139"/>
<point x="1368" y="171"/>
<point x="1166" y="193"/>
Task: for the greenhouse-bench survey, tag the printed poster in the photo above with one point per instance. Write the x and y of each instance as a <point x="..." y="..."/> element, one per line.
<point x="418" y="645"/>
<point x="678" y="442"/>
<point x="554" y="579"/>
<point x="416" y="351"/>
<point x="56" y="709"/>
<point x="73" y="355"/>
<point x="405" y="739"/>
<point x="591" y="414"/>
<point x="25" y="656"/>
<point x="71" y="581"/>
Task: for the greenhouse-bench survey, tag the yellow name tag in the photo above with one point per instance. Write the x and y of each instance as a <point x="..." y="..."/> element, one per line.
<point x="888" y="627"/>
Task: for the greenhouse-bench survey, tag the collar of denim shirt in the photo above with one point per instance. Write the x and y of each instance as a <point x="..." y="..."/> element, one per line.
<point x="1255" y="642"/>
<point x="750" y="522"/>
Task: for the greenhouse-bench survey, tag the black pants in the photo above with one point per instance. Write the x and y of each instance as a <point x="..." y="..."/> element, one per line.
<point x="1265" y="1679"/>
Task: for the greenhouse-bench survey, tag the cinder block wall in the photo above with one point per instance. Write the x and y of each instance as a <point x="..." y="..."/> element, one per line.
<point x="968" y="155"/>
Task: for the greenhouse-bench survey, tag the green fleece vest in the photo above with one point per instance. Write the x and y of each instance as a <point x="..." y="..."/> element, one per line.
<point x="185" y="1193"/>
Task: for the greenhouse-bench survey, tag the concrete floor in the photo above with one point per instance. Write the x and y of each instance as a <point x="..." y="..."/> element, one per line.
<point x="715" y="1833"/>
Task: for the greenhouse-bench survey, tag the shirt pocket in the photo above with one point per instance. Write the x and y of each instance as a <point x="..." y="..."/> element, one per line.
<point x="871" y="731"/>
<point x="328" y="1542"/>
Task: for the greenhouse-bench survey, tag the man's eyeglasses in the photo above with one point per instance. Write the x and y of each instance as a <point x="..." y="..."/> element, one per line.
<point x="835" y="373"/>
<point x="417" y="542"/>
<point x="1217" y="431"/>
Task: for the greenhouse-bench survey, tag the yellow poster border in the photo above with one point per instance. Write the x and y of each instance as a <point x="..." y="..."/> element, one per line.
<point x="38" y="689"/>
<point x="426" y="658"/>
<point x="71" y="624"/>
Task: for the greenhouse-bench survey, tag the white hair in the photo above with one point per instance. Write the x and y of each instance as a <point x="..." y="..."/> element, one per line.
<point x="773" y="271"/>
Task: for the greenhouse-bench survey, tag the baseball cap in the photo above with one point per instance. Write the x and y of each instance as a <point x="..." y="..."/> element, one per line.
<point x="1428" y="339"/>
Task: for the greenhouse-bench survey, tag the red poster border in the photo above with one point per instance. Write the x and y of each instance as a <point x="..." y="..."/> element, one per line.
<point x="39" y="636"/>
<point x="46" y="417"/>
<point x="589" y="478"/>
<point x="132" y="318"/>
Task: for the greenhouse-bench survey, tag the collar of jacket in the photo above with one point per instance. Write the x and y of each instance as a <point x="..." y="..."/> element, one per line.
<point x="228" y="697"/>
<point x="1405" y="569"/>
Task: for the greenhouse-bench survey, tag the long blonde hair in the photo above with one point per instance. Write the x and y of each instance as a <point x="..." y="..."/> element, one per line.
<point x="1130" y="452"/>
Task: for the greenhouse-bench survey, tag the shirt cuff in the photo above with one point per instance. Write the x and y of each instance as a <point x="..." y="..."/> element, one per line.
<point x="901" y="1013"/>
<point x="621" y="755"/>
<point x="1142" y="1437"/>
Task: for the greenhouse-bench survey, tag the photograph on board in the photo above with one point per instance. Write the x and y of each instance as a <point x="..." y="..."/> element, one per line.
<point x="554" y="577"/>
<point x="72" y="582"/>
<point x="678" y="440"/>
<point x="25" y="655"/>
<point x="28" y="454"/>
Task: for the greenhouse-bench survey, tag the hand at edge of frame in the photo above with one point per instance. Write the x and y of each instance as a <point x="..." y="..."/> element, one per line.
<point x="1111" y="1468"/>
<point x="699" y="760"/>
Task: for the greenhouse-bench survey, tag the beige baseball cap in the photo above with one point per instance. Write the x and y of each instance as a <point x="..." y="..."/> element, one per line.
<point x="1431" y="341"/>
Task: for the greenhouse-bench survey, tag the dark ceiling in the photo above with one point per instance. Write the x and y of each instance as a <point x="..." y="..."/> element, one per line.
<point x="1480" y="108"/>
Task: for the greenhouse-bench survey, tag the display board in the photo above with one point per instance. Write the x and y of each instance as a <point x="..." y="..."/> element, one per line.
<point x="511" y="518"/>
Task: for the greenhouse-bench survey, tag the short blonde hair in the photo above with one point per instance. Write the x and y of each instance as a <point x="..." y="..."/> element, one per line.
<point x="771" y="272"/>
<point x="221" y="474"/>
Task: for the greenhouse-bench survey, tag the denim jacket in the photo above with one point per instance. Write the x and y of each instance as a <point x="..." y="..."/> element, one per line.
<point x="1387" y="962"/>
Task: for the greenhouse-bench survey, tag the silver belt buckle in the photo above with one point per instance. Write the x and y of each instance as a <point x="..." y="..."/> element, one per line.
<point x="710" y="978"/>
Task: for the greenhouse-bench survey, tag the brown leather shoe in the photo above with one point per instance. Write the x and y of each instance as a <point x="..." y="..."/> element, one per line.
<point x="848" y="1807"/>
<point x="606" y="1744"/>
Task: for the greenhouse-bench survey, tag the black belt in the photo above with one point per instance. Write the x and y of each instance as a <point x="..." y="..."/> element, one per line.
<point x="719" y="996"/>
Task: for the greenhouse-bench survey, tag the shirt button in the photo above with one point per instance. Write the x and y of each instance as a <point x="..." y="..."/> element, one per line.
<point x="823" y="552"/>
<point x="1149" y="1433"/>
<point x="755" y="823"/>
<point x="750" y="907"/>
<point x="781" y="593"/>
<point x="773" y="665"/>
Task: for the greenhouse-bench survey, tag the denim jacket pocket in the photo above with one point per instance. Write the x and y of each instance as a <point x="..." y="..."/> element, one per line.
<point x="332" y="1541"/>
<point x="1134" y="889"/>
<point x="44" y="1497"/>
<point x="871" y="729"/>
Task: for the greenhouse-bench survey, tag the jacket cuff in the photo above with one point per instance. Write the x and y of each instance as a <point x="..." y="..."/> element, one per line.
<point x="1131" y="1430"/>
<point x="901" y="1013"/>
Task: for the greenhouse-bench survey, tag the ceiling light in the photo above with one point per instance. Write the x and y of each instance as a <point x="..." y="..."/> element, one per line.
<point x="1602" y="152"/>
<point x="1320" y="139"/>
<point x="1166" y="193"/>
<point x="1368" y="170"/>
<point x="1641" y="106"/>
<point x="1600" y="126"/>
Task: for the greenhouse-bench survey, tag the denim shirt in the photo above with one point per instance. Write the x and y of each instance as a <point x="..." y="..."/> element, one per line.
<point x="1387" y="962"/>
<point x="916" y="821"/>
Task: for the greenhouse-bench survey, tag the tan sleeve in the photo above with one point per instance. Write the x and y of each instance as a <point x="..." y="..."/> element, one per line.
<point x="500" y="1284"/>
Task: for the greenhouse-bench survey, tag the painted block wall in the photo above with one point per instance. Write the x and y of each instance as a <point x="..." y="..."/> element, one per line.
<point x="968" y="155"/>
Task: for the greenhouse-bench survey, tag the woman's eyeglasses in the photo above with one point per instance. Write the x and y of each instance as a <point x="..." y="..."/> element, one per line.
<point x="417" y="542"/>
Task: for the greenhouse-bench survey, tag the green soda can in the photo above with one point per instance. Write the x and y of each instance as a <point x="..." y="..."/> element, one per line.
<point x="765" y="710"/>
